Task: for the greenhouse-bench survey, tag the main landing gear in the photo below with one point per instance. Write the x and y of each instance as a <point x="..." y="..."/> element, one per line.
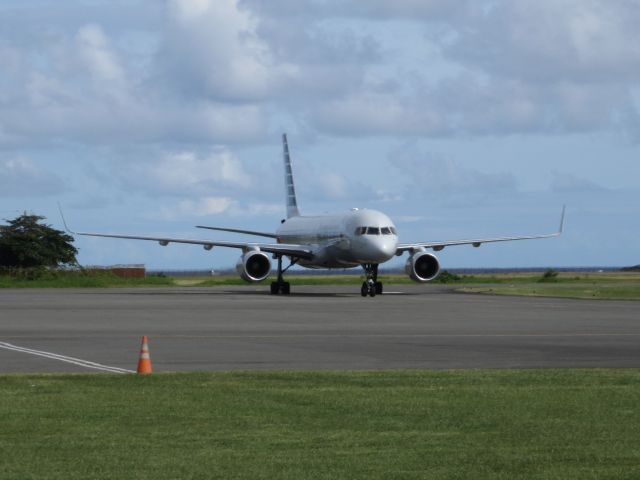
<point x="371" y="286"/>
<point x="280" y="286"/>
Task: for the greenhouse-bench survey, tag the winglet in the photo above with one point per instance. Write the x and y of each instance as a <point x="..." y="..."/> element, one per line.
<point x="292" y="203"/>
<point x="561" y="229"/>
<point x="64" y="222"/>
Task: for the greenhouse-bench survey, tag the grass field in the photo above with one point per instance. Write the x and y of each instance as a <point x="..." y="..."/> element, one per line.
<point x="617" y="285"/>
<point x="82" y="280"/>
<point x="532" y="424"/>
<point x="611" y="286"/>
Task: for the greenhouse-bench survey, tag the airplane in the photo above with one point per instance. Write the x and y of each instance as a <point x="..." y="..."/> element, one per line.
<point x="358" y="238"/>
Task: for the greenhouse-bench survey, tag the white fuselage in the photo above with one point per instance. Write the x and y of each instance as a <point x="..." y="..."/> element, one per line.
<point x="341" y="241"/>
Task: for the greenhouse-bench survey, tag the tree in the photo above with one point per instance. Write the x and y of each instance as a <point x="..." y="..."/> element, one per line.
<point x="27" y="243"/>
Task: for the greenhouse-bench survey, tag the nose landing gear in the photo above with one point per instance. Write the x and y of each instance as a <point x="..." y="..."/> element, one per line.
<point x="371" y="286"/>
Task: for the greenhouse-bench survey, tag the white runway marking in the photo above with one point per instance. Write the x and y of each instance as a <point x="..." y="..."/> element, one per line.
<point x="64" y="358"/>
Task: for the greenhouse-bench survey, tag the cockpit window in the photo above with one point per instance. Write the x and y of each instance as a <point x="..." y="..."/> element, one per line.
<point x="376" y="231"/>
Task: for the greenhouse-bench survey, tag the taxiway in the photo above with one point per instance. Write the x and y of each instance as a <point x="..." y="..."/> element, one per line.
<point x="317" y="327"/>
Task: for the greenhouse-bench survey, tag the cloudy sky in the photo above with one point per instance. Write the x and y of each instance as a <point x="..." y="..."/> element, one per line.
<point x="458" y="119"/>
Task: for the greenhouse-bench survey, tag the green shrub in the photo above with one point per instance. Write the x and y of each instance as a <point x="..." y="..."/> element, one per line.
<point x="549" y="275"/>
<point x="447" y="277"/>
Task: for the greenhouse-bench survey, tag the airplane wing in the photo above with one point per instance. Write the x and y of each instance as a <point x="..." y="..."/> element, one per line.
<point x="291" y="250"/>
<point x="237" y="230"/>
<point x="437" y="246"/>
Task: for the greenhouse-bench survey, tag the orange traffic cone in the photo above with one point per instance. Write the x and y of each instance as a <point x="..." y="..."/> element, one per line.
<point x="144" y="362"/>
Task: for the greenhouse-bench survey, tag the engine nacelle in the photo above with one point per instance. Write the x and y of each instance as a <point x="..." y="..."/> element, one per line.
<point x="422" y="267"/>
<point x="254" y="266"/>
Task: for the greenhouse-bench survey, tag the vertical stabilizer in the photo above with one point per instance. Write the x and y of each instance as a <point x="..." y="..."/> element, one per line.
<point x="292" y="203"/>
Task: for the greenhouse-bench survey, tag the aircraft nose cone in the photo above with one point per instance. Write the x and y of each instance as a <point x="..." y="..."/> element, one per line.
<point x="383" y="249"/>
<point x="388" y="248"/>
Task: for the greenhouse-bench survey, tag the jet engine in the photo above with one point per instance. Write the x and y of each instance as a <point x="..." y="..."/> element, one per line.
<point x="422" y="267"/>
<point x="254" y="266"/>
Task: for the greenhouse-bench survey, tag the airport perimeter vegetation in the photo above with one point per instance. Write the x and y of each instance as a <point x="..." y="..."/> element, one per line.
<point x="615" y="285"/>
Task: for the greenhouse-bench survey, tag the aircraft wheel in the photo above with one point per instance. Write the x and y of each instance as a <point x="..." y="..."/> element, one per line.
<point x="285" y="288"/>
<point x="379" y="288"/>
<point x="275" y="288"/>
<point x="372" y="291"/>
<point x="365" y="289"/>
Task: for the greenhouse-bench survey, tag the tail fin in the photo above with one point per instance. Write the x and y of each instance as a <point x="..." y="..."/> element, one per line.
<point x="292" y="203"/>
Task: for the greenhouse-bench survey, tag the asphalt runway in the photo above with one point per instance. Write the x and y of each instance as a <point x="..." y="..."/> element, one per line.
<point x="317" y="327"/>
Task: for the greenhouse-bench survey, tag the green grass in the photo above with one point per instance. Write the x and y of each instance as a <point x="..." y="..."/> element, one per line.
<point x="610" y="286"/>
<point x="602" y="292"/>
<point x="82" y="280"/>
<point x="357" y="278"/>
<point x="531" y="424"/>
<point x="617" y="285"/>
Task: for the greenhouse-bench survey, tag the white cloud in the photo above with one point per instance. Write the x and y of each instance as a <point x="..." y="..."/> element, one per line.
<point x="411" y="218"/>
<point x="514" y="67"/>
<point x="374" y="113"/>
<point x="335" y="186"/>
<point x="554" y="40"/>
<point x="562" y="182"/>
<point x="432" y="174"/>
<point x="187" y="173"/>
<point x="96" y="85"/>
<point x="472" y="104"/>
<point x="319" y="184"/>
<point x="212" y="47"/>
<point x="211" y="206"/>
<point x="258" y="210"/>
<point x="98" y="57"/>
<point x="423" y="10"/>
<point x="20" y="177"/>
<point x="202" y="207"/>
<point x="226" y="71"/>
